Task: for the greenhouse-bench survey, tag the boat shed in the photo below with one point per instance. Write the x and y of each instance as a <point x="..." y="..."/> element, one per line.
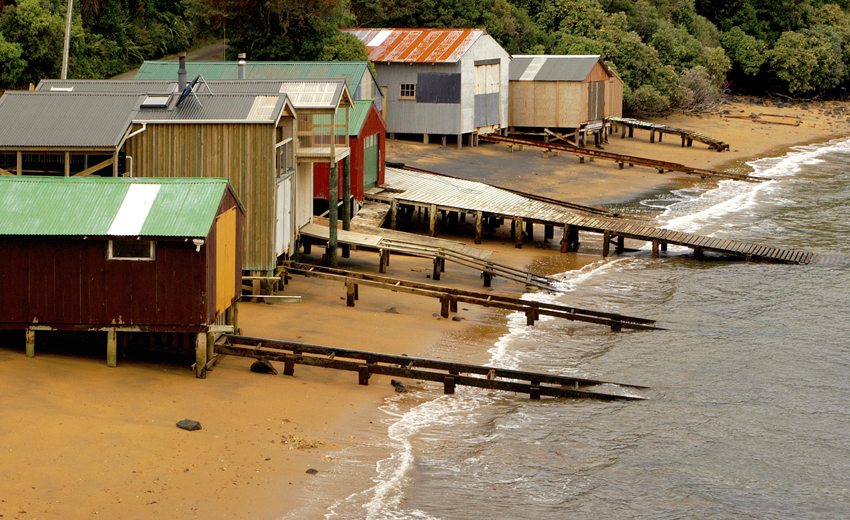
<point x="118" y="255"/>
<point x="367" y="140"/>
<point x="244" y="130"/>
<point x="563" y="93"/>
<point x="73" y="134"/>
<point x="359" y="78"/>
<point x="440" y="81"/>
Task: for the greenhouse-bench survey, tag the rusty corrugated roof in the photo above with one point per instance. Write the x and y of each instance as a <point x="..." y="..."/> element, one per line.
<point x="417" y="45"/>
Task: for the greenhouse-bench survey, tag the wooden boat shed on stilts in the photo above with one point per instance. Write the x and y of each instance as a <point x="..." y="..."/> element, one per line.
<point x="121" y="257"/>
<point x="567" y="94"/>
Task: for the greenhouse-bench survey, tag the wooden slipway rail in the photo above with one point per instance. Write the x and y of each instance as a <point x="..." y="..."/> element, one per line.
<point x="449" y="298"/>
<point x="450" y="374"/>
<point x="688" y="136"/>
<point x="622" y="160"/>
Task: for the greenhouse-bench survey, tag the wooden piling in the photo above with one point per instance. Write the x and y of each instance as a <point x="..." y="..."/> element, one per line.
<point x="363" y="375"/>
<point x="655" y="244"/>
<point x="393" y="213"/>
<point x="112" y="349"/>
<point x="518" y="238"/>
<point x="435" y="275"/>
<point x="448" y="385"/>
<point x="432" y="213"/>
<point x="479" y="226"/>
<point x="606" y="243"/>
<point x="444" y="306"/>
<point x="200" y="353"/>
<point x="289" y="366"/>
<point x="349" y="292"/>
<point x="30" y="343"/>
<point x="529" y="231"/>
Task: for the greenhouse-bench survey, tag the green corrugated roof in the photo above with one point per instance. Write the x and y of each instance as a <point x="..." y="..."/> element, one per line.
<point x="358" y="116"/>
<point x="108" y="206"/>
<point x="351" y="71"/>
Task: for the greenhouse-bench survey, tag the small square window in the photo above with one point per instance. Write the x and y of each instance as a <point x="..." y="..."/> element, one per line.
<point x="131" y="250"/>
<point x="407" y="91"/>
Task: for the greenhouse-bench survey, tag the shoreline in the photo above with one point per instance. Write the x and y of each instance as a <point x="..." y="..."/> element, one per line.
<point x="87" y="441"/>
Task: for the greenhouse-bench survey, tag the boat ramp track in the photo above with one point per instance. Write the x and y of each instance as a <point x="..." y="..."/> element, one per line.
<point x="406" y="191"/>
<point x="449" y="374"/>
<point x="620" y="159"/>
<point x="687" y="136"/>
<point x="450" y="297"/>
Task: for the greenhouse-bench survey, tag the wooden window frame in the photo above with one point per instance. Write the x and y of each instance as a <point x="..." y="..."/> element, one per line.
<point x="150" y="258"/>
<point x="410" y="88"/>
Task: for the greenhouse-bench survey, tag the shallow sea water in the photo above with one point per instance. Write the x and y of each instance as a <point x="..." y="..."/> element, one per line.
<point x="747" y="414"/>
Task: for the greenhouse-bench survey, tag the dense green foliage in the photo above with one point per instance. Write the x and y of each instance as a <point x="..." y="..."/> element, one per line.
<point x="669" y="53"/>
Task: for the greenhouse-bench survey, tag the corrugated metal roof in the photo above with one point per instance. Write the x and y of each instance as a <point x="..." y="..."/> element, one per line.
<point x="417" y="45"/>
<point x="109" y="206"/>
<point x="219" y="107"/>
<point x="552" y="68"/>
<point x="50" y="119"/>
<point x="349" y="71"/>
<point x="107" y="86"/>
<point x="314" y="93"/>
<point x="426" y="188"/>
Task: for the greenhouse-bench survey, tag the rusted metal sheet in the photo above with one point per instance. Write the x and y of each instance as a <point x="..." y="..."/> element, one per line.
<point x="417" y="45"/>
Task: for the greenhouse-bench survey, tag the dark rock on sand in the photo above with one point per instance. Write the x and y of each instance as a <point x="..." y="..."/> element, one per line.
<point x="263" y="366"/>
<point x="189" y="424"/>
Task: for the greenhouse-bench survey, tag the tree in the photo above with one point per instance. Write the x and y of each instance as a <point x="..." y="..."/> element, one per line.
<point x="11" y="64"/>
<point x="40" y="34"/>
<point x="344" y="47"/>
<point x="806" y="61"/>
<point x="745" y="52"/>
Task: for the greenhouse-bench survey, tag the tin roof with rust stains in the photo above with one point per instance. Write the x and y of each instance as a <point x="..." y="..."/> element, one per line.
<point x="417" y="45"/>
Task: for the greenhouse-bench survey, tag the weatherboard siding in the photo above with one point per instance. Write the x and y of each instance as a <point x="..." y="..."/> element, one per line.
<point x="242" y="153"/>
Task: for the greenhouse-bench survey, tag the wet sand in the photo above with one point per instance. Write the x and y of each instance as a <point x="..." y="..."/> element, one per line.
<point x="81" y="440"/>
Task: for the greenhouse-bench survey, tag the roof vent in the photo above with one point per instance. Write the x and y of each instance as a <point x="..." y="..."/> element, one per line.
<point x="241" y="66"/>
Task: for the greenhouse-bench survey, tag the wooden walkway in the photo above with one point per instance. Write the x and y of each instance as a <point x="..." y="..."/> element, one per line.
<point x="449" y="374"/>
<point x="415" y="189"/>
<point x="388" y="242"/>
<point x="449" y="298"/>
<point x="687" y="136"/>
<point x="622" y="160"/>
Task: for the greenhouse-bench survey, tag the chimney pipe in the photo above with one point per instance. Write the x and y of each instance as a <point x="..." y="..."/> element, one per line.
<point x="181" y="72"/>
<point x="241" y="66"/>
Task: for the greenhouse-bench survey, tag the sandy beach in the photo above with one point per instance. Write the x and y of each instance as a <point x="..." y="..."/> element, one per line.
<point x="81" y="440"/>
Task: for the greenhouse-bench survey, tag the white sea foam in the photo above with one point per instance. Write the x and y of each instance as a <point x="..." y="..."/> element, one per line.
<point x="693" y="210"/>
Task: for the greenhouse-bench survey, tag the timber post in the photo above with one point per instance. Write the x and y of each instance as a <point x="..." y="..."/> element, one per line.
<point x="112" y="349"/>
<point x="488" y="276"/>
<point x="210" y="346"/>
<point x="436" y="274"/>
<point x="346" y="202"/>
<point x="606" y="243"/>
<point x="349" y="292"/>
<point x="200" y="354"/>
<point x="655" y="244"/>
<point x="289" y="365"/>
<point x="621" y="244"/>
<point x="385" y="261"/>
<point x="363" y="373"/>
<point x="333" y="216"/>
<point x="529" y="231"/>
<point x="30" y="343"/>
<point x="393" y="213"/>
<point x="445" y="303"/>
<point x="548" y="232"/>
<point x="518" y="239"/>
<point x="448" y="385"/>
<point x="432" y="214"/>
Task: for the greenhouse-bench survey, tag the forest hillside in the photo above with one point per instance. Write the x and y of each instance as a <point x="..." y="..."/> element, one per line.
<point x="671" y="54"/>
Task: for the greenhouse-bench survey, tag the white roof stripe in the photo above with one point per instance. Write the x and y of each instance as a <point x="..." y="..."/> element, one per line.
<point x="134" y="210"/>
<point x="533" y="68"/>
<point x="379" y="38"/>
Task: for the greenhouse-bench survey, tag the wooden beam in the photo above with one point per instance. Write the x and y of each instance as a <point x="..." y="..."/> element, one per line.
<point x="5" y="172"/>
<point x="111" y="348"/>
<point x="95" y="168"/>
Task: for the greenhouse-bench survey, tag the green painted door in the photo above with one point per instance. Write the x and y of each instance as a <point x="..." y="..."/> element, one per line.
<point x="370" y="162"/>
